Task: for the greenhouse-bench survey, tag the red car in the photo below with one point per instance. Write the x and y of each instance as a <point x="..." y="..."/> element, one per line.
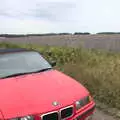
<point x="31" y="89"/>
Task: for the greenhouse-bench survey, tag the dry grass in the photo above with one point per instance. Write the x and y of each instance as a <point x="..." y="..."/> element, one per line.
<point x="99" y="71"/>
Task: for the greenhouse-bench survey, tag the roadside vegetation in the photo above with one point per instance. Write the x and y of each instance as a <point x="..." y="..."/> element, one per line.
<point x="99" y="71"/>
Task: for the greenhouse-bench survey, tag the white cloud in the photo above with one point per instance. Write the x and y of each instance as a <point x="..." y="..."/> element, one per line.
<point x="43" y="10"/>
<point x="23" y="16"/>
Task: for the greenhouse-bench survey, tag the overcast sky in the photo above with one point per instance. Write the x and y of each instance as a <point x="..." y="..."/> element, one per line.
<point x="41" y="16"/>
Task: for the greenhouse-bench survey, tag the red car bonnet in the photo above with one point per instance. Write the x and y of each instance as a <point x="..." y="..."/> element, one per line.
<point x="34" y="93"/>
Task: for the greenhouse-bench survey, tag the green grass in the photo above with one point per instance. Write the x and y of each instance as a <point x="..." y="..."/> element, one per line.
<point x="99" y="71"/>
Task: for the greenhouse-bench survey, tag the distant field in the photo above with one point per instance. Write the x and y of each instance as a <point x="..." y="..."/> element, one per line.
<point x="107" y="42"/>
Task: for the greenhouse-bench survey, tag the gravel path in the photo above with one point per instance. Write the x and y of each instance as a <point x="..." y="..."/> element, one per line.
<point x="99" y="115"/>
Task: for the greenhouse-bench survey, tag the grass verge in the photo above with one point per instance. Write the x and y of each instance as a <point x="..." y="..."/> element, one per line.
<point x="99" y="71"/>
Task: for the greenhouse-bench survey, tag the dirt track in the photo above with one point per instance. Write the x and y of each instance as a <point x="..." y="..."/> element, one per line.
<point x="99" y="115"/>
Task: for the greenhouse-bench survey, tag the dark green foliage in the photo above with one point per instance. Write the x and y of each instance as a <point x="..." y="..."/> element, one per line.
<point x="108" y="33"/>
<point x="80" y="33"/>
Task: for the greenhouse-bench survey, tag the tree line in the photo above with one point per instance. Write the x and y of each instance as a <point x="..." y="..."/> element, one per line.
<point x="53" y="34"/>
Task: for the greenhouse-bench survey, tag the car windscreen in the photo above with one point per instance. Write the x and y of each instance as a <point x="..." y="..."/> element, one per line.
<point x="21" y="62"/>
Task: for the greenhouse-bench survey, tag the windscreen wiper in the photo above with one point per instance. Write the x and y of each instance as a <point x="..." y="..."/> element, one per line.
<point x="42" y="70"/>
<point x="18" y="74"/>
<point x="13" y="75"/>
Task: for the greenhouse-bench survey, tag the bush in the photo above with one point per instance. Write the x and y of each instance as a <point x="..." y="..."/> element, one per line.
<point x="80" y="33"/>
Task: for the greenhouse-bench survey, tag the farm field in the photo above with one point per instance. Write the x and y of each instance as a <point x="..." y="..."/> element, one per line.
<point x="106" y="42"/>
